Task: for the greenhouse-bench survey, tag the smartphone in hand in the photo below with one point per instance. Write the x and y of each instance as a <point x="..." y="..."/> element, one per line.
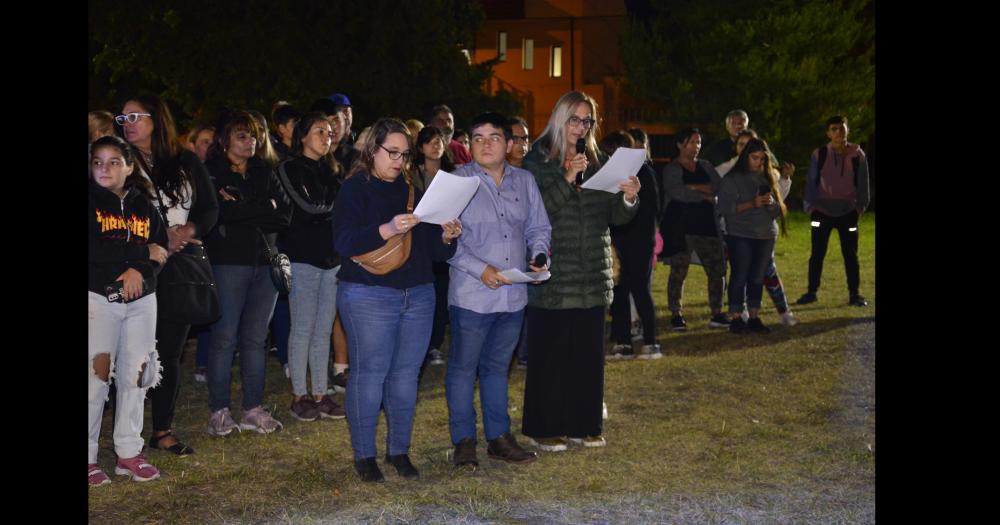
<point x="115" y="292"/>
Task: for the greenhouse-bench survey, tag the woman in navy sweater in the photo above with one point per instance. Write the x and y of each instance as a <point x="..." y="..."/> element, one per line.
<point x="387" y="317"/>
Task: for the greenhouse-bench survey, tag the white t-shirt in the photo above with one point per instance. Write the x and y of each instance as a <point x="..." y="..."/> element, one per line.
<point x="178" y="213"/>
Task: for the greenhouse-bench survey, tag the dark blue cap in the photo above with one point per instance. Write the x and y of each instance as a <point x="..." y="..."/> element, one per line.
<point x="339" y="99"/>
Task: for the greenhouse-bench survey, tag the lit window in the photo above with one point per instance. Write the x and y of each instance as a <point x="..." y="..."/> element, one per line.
<point x="527" y="53"/>
<point x="555" y="64"/>
<point x="502" y="45"/>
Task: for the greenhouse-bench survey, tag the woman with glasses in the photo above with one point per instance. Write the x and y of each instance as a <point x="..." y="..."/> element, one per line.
<point x="187" y="201"/>
<point x="253" y="208"/>
<point x="430" y="158"/>
<point x="750" y="201"/>
<point x="564" y="387"/>
<point x="312" y="187"/>
<point x="387" y="316"/>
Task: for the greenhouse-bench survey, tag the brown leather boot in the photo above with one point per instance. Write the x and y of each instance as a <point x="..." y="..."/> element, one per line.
<point x="505" y="448"/>
<point x="465" y="454"/>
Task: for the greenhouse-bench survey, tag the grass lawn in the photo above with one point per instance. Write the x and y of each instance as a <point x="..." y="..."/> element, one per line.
<point x="723" y="429"/>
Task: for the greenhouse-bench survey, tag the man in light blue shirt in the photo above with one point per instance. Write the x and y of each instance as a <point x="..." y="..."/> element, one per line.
<point x="503" y="226"/>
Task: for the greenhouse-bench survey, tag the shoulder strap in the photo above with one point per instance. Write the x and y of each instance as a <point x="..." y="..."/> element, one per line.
<point x="820" y="161"/>
<point x="409" y="201"/>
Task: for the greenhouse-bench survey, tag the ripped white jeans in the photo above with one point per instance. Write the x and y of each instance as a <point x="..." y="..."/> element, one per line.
<point x="127" y="334"/>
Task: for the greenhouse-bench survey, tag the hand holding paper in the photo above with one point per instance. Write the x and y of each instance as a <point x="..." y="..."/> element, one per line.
<point x="446" y="197"/>
<point x="517" y="276"/>
<point x="623" y="164"/>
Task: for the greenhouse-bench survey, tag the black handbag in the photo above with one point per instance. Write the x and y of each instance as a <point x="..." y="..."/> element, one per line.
<point x="186" y="291"/>
<point x="281" y="267"/>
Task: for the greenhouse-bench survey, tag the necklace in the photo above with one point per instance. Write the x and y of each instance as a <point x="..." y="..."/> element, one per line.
<point x="147" y="158"/>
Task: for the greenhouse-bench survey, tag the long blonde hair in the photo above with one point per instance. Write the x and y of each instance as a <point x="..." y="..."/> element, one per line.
<point x="552" y="141"/>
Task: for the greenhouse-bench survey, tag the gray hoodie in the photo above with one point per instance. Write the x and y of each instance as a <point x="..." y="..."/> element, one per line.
<point x="755" y="223"/>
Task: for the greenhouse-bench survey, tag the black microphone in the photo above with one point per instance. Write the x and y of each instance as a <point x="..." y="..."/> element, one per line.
<point x="540" y="260"/>
<point x="581" y="146"/>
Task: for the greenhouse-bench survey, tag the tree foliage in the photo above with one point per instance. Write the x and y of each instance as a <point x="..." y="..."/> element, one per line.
<point x="391" y="58"/>
<point x="791" y="64"/>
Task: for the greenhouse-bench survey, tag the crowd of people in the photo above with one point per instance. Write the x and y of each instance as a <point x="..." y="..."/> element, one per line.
<point x="310" y="198"/>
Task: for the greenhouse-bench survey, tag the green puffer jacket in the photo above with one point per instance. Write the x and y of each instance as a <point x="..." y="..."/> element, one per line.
<point x="581" y="242"/>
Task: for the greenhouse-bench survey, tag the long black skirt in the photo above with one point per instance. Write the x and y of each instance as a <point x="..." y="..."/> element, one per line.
<point x="564" y="387"/>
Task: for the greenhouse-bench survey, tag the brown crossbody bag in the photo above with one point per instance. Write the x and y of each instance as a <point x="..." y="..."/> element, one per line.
<point x="393" y="254"/>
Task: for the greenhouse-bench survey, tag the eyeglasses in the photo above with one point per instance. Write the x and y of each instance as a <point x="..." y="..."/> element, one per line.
<point x="586" y="122"/>
<point x="521" y="138"/>
<point x="395" y="155"/>
<point x="131" y="118"/>
<point x="492" y="139"/>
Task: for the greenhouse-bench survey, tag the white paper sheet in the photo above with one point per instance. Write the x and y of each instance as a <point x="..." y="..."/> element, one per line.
<point x="517" y="276"/>
<point x="446" y="197"/>
<point x="622" y="165"/>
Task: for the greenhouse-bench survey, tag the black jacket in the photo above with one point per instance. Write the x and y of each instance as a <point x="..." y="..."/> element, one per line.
<point x="312" y="188"/>
<point x="640" y="234"/>
<point x="236" y="238"/>
<point x="119" y="229"/>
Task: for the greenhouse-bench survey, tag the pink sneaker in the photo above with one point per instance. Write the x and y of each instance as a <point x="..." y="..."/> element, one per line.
<point x="96" y="477"/>
<point x="137" y="468"/>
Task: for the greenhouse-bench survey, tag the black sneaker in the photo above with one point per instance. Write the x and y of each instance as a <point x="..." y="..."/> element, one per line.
<point x="403" y="466"/>
<point x="368" y="470"/>
<point x="338" y="382"/>
<point x="719" y="321"/>
<point x="738" y="326"/>
<point x="857" y="300"/>
<point x="755" y="326"/>
<point x="627" y="353"/>
<point x="677" y="323"/>
<point x="808" y="297"/>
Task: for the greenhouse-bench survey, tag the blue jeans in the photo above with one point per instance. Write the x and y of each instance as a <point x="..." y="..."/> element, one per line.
<point x="483" y="342"/>
<point x="247" y="297"/>
<point x="748" y="259"/>
<point x="387" y="334"/>
<point x="313" y="305"/>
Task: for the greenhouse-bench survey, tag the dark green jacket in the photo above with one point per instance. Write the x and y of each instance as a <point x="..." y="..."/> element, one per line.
<point x="581" y="243"/>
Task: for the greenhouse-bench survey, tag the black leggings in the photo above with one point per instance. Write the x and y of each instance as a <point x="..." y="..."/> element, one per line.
<point x="633" y="278"/>
<point x="170" y="339"/>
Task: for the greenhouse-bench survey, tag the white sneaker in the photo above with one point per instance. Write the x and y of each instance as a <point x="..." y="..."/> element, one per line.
<point x="221" y="423"/>
<point x="745" y="316"/>
<point x="201" y="375"/>
<point x="589" y="441"/>
<point x="435" y="356"/>
<point x="788" y="319"/>
<point x="552" y="444"/>
<point x="650" y="352"/>
<point x="616" y="352"/>
<point x="604" y="411"/>
<point x="288" y="373"/>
